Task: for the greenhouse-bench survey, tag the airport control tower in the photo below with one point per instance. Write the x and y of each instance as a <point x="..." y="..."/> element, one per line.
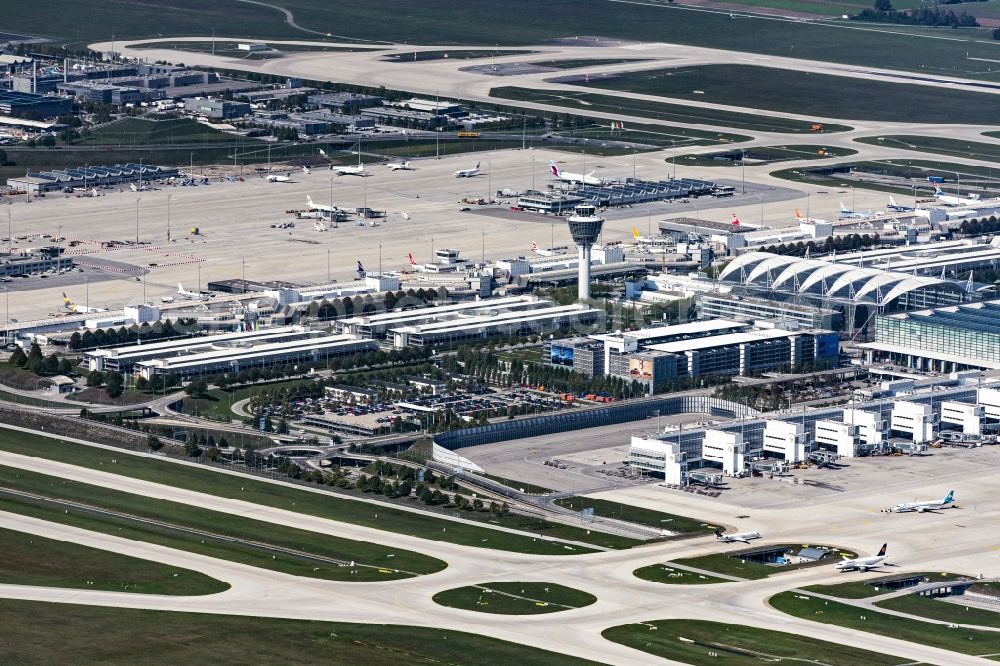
<point x="585" y="227"/>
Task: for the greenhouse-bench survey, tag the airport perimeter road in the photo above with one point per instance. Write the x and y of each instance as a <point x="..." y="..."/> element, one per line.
<point x="939" y="545"/>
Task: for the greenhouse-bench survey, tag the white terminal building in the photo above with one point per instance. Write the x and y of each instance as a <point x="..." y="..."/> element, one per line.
<point x="227" y="353"/>
<point x="906" y="417"/>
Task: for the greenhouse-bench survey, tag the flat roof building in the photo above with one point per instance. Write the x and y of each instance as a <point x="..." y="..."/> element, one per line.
<point x="217" y="109"/>
<point x="538" y="321"/>
<point x="716" y="305"/>
<point x="30" y="105"/>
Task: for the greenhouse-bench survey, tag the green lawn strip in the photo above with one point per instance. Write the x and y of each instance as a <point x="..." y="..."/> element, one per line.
<point x="322" y="505"/>
<point x="95" y="634"/>
<point x="805" y="93"/>
<point x="217" y="403"/>
<point x="729" y="563"/>
<point x="917" y="171"/>
<point x="858" y="589"/>
<point x="965" y="641"/>
<point x="581" y="63"/>
<point x="29" y="559"/>
<point x="934" y="144"/>
<point x="697" y="642"/>
<point x="635" y="514"/>
<point x="528" y="488"/>
<point x="514" y="598"/>
<point x="656" y="110"/>
<point x="664" y="573"/>
<point x="451" y="54"/>
<point x="376" y="562"/>
<point x="763" y="155"/>
<point x="944" y="611"/>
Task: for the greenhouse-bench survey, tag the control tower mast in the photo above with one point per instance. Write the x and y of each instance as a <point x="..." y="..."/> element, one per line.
<point x="585" y="228"/>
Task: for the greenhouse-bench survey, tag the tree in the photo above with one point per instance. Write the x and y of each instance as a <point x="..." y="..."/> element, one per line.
<point x="18" y="358"/>
<point x="197" y="387"/>
<point x="65" y="366"/>
<point x="35" y="354"/>
<point x="191" y="448"/>
<point x="115" y="384"/>
<point x="48" y="141"/>
<point x="154" y="443"/>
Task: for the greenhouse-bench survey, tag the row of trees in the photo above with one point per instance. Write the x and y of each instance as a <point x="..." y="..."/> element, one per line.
<point x="882" y="12"/>
<point x="978" y="227"/>
<point x="38" y="363"/>
<point x="110" y="337"/>
<point x="848" y="243"/>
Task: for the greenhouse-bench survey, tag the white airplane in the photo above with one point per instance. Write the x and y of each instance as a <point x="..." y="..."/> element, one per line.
<point x="949" y="200"/>
<point x="341" y="170"/>
<point x="279" y="178"/>
<point x="405" y="215"/>
<point x="920" y="507"/>
<point x="862" y="563"/>
<point x="320" y="207"/>
<point x="399" y="166"/>
<point x="847" y="213"/>
<point x="897" y="207"/>
<point x="467" y="173"/>
<point x="190" y="295"/>
<point x="567" y="177"/>
<point x="743" y="537"/>
<point x="79" y="309"/>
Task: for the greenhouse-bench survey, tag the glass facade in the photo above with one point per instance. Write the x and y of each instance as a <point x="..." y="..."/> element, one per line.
<point x="971" y="331"/>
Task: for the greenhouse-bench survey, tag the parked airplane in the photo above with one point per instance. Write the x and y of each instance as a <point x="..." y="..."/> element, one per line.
<point x="897" y="207"/>
<point x="468" y="173"/>
<point x="847" y="213"/>
<point x="79" y="309"/>
<point x="341" y="170"/>
<point x="413" y="262"/>
<point x="863" y="563"/>
<point x="920" y="507"/>
<point x="400" y="166"/>
<point x="361" y="270"/>
<point x="743" y="537"/>
<point x="320" y="207"/>
<point x="567" y="177"/>
<point x="542" y="253"/>
<point x="736" y="221"/>
<point x="405" y="215"/>
<point x="190" y="295"/>
<point x="279" y="178"/>
<point x="949" y="200"/>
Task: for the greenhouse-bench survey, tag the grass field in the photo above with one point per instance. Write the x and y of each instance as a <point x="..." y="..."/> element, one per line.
<point x="529" y="488"/>
<point x="938" y="145"/>
<point x="654" y="110"/>
<point x="216" y="403"/>
<point x="857" y="589"/>
<point x="664" y="573"/>
<point x="636" y="514"/>
<point x="737" y="645"/>
<point x="944" y="611"/>
<point x="129" y="636"/>
<point x="487" y="23"/>
<point x="388" y="518"/>
<point x="208" y="532"/>
<point x="582" y="63"/>
<point x="515" y="598"/>
<point x="728" y="563"/>
<point x="480" y="54"/>
<point x="867" y="175"/>
<point x="29" y="559"/>
<point x="763" y="155"/>
<point x="806" y="93"/>
<point x="966" y="641"/>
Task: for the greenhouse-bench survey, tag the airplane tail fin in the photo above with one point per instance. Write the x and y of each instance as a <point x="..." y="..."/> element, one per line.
<point x="412" y="262"/>
<point x="553" y="168"/>
<point x="881" y="552"/>
<point x="892" y="201"/>
<point x="180" y="288"/>
<point x="309" y="200"/>
<point x="534" y="246"/>
<point x="718" y="533"/>
<point x="323" y="153"/>
<point x="736" y="220"/>
<point x="477" y="166"/>
<point x="798" y="215"/>
<point x="306" y="170"/>
<point x="950" y="497"/>
<point x="843" y="208"/>
<point x="635" y="232"/>
<point x="937" y="190"/>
